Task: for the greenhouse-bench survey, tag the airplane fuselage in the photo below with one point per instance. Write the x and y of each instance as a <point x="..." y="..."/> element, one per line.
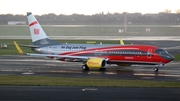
<point x="137" y="54"/>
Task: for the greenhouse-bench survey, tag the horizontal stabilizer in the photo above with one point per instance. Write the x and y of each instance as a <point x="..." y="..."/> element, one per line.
<point x="31" y="46"/>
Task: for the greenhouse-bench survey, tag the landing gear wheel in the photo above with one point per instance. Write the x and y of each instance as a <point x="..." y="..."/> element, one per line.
<point x="156" y="69"/>
<point x="85" y="68"/>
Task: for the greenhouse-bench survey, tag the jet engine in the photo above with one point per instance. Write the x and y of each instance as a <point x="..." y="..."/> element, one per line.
<point x="96" y="63"/>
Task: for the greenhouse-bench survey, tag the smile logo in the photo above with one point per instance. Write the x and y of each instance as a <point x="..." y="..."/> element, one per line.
<point x="36" y="31"/>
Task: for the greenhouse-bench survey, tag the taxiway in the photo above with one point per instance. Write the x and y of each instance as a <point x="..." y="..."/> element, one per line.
<point x="29" y="65"/>
<point x="35" y="93"/>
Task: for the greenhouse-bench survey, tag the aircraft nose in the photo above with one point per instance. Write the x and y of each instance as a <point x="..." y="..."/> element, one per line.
<point x="170" y="57"/>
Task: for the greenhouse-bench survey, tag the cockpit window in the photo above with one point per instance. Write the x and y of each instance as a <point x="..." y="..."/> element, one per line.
<point x="161" y="51"/>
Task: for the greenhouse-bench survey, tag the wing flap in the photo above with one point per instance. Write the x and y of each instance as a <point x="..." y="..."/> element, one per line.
<point x="32" y="46"/>
<point x="55" y="56"/>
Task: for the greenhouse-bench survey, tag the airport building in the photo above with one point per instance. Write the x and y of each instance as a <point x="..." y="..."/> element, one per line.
<point x="16" y="22"/>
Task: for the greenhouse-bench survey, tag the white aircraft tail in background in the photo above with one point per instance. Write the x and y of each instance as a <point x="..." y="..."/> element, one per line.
<point x="37" y="33"/>
<point x="39" y="37"/>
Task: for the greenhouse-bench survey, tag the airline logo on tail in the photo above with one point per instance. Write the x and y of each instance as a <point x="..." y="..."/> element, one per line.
<point x="36" y="31"/>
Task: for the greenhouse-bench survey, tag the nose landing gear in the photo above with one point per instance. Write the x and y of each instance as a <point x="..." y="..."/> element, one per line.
<point x="156" y="69"/>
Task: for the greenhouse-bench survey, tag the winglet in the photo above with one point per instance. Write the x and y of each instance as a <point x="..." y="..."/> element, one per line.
<point x="18" y="48"/>
<point x="121" y="41"/>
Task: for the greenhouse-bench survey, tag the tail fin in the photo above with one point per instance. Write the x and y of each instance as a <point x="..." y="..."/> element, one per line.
<point x="38" y="35"/>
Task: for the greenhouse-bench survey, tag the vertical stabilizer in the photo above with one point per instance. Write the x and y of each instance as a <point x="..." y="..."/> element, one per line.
<point x="37" y="33"/>
<point x="39" y="37"/>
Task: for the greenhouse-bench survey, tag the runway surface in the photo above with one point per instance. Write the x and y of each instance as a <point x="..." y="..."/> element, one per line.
<point x="26" y="65"/>
<point x="88" y="94"/>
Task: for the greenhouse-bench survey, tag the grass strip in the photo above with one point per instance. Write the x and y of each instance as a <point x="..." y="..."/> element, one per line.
<point x="177" y="56"/>
<point x="90" y="82"/>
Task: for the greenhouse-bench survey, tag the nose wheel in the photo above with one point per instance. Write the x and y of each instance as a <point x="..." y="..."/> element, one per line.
<point x="156" y="69"/>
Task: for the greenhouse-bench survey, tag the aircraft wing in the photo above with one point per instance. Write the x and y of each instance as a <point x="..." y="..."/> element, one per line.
<point x="58" y="56"/>
<point x="55" y="56"/>
<point x="17" y="45"/>
<point x="31" y="46"/>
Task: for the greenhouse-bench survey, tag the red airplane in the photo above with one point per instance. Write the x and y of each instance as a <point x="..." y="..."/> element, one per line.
<point x="94" y="55"/>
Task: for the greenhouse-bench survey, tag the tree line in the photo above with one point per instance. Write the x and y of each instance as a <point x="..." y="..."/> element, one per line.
<point x="163" y="18"/>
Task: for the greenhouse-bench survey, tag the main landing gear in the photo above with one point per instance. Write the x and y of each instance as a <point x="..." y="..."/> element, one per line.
<point x="85" y="68"/>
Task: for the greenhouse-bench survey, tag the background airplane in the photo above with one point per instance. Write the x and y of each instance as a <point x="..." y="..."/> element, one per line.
<point x="93" y="55"/>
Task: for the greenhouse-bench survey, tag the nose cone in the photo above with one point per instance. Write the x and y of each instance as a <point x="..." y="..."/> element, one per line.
<point x="170" y="57"/>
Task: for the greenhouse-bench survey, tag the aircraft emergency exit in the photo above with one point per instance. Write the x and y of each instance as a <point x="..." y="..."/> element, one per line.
<point x="93" y="55"/>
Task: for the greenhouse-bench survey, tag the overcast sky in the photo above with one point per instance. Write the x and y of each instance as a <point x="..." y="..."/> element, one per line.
<point x="86" y="7"/>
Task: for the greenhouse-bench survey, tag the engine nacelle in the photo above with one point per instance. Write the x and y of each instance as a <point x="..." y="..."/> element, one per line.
<point x="96" y="63"/>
